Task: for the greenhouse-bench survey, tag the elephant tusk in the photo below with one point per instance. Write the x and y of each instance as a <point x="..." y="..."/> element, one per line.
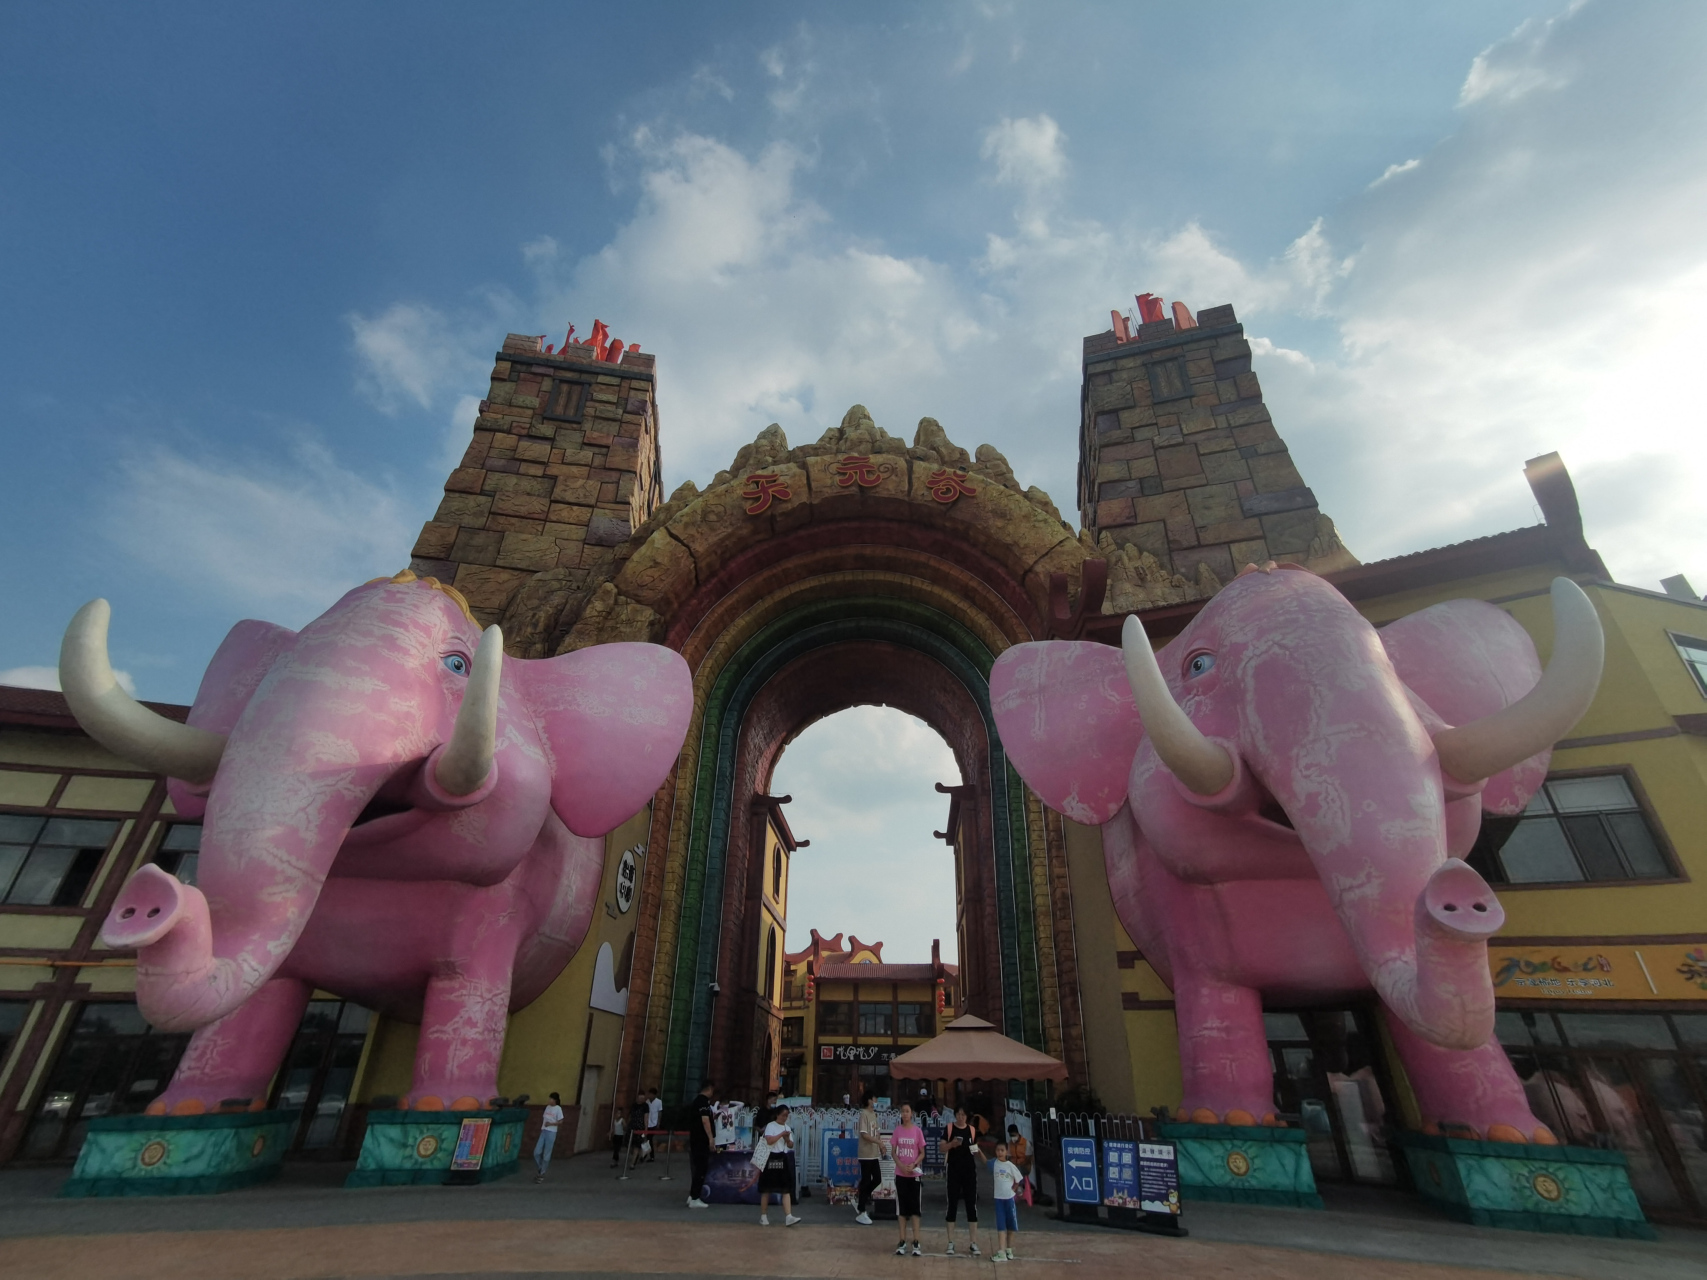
<point x="1482" y="748"/>
<point x="467" y="757"/>
<point x="119" y="722"/>
<point x="1203" y="767"/>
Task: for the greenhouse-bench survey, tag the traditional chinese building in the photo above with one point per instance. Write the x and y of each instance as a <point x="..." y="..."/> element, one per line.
<point x="847" y="1014"/>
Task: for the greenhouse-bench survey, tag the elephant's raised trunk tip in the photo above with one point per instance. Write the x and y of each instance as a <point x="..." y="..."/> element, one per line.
<point x="1482" y="748"/>
<point x="466" y="759"/>
<point x="119" y="722"/>
<point x="1201" y="765"/>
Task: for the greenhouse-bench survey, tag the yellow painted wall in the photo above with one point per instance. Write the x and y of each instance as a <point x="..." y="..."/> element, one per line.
<point x="1095" y="944"/>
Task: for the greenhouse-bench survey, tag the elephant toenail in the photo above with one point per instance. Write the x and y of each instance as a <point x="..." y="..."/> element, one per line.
<point x="127" y="913"/>
<point x="152" y="912"/>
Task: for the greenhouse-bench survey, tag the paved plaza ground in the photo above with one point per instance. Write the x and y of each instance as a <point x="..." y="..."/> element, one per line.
<point x="584" y="1222"/>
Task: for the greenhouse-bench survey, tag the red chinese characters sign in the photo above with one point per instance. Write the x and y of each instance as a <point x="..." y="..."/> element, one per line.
<point x="763" y="488"/>
<point x="946" y="485"/>
<point x="857" y="468"/>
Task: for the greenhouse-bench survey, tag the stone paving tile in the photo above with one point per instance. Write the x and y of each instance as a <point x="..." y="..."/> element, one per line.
<point x="664" y="1249"/>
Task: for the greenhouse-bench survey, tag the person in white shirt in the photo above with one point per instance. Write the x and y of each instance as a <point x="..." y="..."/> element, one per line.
<point x="654" y="1119"/>
<point x="776" y="1177"/>
<point x="547" y="1136"/>
<point x="1005" y="1177"/>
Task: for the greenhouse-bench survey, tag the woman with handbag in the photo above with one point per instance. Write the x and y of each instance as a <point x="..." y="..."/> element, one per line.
<point x="776" y="1177"/>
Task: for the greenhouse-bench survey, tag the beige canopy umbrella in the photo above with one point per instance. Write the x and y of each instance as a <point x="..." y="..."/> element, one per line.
<point x="971" y="1049"/>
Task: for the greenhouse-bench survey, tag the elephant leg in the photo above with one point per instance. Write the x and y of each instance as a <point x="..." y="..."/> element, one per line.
<point x="238" y="1055"/>
<point x="462" y="1038"/>
<point x="1474" y="1087"/>
<point x="1223" y="1052"/>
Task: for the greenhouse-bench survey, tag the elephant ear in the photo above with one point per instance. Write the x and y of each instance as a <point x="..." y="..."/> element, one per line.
<point x="1467" y="659"/>
<point x="613" y="718"/>
<point x="1067" y="720"/>
<point x="239" y="665"/>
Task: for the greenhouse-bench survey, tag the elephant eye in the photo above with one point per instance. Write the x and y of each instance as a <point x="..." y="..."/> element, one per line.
<point x="457" y="663"/>
<point x="1200" y="664"/>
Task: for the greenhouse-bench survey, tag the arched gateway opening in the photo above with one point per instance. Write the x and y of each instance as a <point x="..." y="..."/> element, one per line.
<point x="804" y="581"/>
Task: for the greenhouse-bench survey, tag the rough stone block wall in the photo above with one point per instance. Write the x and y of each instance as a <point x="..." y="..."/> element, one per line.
<point x="562" y="467"/>
<point x="1178" y="456"/>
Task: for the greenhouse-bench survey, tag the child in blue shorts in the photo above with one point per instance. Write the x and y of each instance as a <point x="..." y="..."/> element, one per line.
<point x="1006" y="1177"/>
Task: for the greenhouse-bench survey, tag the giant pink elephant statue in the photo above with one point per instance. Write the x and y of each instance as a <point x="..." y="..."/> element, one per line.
<point x="392" y="812"/>
<point x="1288" y="794"/>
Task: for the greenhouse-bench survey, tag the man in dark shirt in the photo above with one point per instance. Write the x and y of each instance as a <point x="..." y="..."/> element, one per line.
<point x="700" y="1134"/>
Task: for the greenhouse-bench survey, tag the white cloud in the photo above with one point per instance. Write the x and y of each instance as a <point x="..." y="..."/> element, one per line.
<point x="284" y="538"/>
<point x="410" y="352"/>
<point x="48" y="678"/>
<point x="864" y="795"/>
<point x="1029" y="152"/>
<point x="1518" y="65"/>
<point x="1394" y="170"/>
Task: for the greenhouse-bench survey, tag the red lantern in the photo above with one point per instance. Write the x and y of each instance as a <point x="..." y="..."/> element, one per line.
<point x="941" y="996"/>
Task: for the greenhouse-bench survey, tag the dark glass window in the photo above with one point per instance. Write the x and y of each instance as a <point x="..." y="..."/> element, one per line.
<point x="1694" y="655"/>
<point x="876" y="1019"/>
<point x="793" y="1032"/>
<point x="770" y="963"/>
<point x="320" y="1068"/>
<point x="49" y="862"/>
<point x="1575" y="829"/>
<point x="776" y="874"/>
<point x="835" y="1018"/>
<point x="112" y="1064"/>
<point x="914" y="1020"/>
<point x="180" y="851"/>
<point x="12" y="1014"/>
<point x="565" y="400"/>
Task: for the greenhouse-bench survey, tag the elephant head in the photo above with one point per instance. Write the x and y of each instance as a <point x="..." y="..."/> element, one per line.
<point x="389" y="739"/>
<point x="1281" y="735"/>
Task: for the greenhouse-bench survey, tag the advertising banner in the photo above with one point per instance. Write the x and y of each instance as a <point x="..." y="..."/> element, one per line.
<point x="1079" y="1168"/>
<point x="1677" y="971"/>
<point x="841" y="1167"/>
<point x="1120" y="1173"/>
<point x="1158" y="1178"/>
<point x="470" y="1146"/>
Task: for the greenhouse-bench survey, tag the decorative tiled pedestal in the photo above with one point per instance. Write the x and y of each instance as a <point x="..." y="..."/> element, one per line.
<point x="402" y="1148"/>
<point x="1243" y="1164"/>
<point x="1532" y="1188"/>
<point x="180" y="1155"/>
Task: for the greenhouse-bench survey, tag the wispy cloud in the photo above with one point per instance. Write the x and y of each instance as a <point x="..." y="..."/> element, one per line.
<point x="1394" y="170"/>
<point x="864" y="795"/>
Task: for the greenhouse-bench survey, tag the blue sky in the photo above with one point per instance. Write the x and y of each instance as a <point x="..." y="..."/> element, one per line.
<point x="255" y="261"/>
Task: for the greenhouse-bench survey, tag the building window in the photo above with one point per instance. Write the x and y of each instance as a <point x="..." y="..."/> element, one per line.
<point x="49" y="862"/>
<point x="320" y="1070"/>
<point x="180" y="851"/>
<point x="770" y="963"/>
<point x="835" y="1018"/>
<point x="876" y="1019"/>
<point x="564" y="401"/>
<point x="12" y="1013"/>
<point x="1694" y="655"/>
<point x="113" y="1064"/>
<point x="1168" y="380"/>
<point x="793" y="1032"/>
<point x="914" y="1020"/>
<point x="776" y="874"/>
<point x="1574" y="830"/>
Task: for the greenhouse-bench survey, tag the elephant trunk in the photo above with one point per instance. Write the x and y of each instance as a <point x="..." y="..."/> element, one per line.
<point x="1338" y="744"/>
<point x="315" y="744"/>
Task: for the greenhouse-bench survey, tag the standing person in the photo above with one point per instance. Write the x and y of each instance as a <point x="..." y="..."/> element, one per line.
<point x="776" y="1176"/>
<point x="654" y="1119"/>
<point x="636" y="1126"/>
<point x="907" y="1146"/>
<point x="961" y="1144"/>
<point x="547" y="1136"/>
<point x="870" y="1156"/>
<point x="1019" y="1152"/>
<point x="1006" y="1177"/>
<point x="699" y="1144"/>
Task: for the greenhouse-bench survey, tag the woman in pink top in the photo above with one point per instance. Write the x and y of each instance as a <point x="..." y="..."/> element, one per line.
<point x="907" y="1147"/>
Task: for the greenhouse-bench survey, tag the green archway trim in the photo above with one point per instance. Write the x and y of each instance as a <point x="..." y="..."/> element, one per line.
<point x="916" y="626"/>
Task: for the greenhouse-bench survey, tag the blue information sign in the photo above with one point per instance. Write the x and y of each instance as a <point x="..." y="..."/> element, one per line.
<point x="1158" y="1178"/>
<point x="1120" y="1173"/>
<point x="1079" y="1169"/>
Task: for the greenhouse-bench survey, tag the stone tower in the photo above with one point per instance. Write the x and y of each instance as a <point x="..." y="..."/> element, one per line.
<point x="1178" y="456"/>
<point x="563" y="467"/>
